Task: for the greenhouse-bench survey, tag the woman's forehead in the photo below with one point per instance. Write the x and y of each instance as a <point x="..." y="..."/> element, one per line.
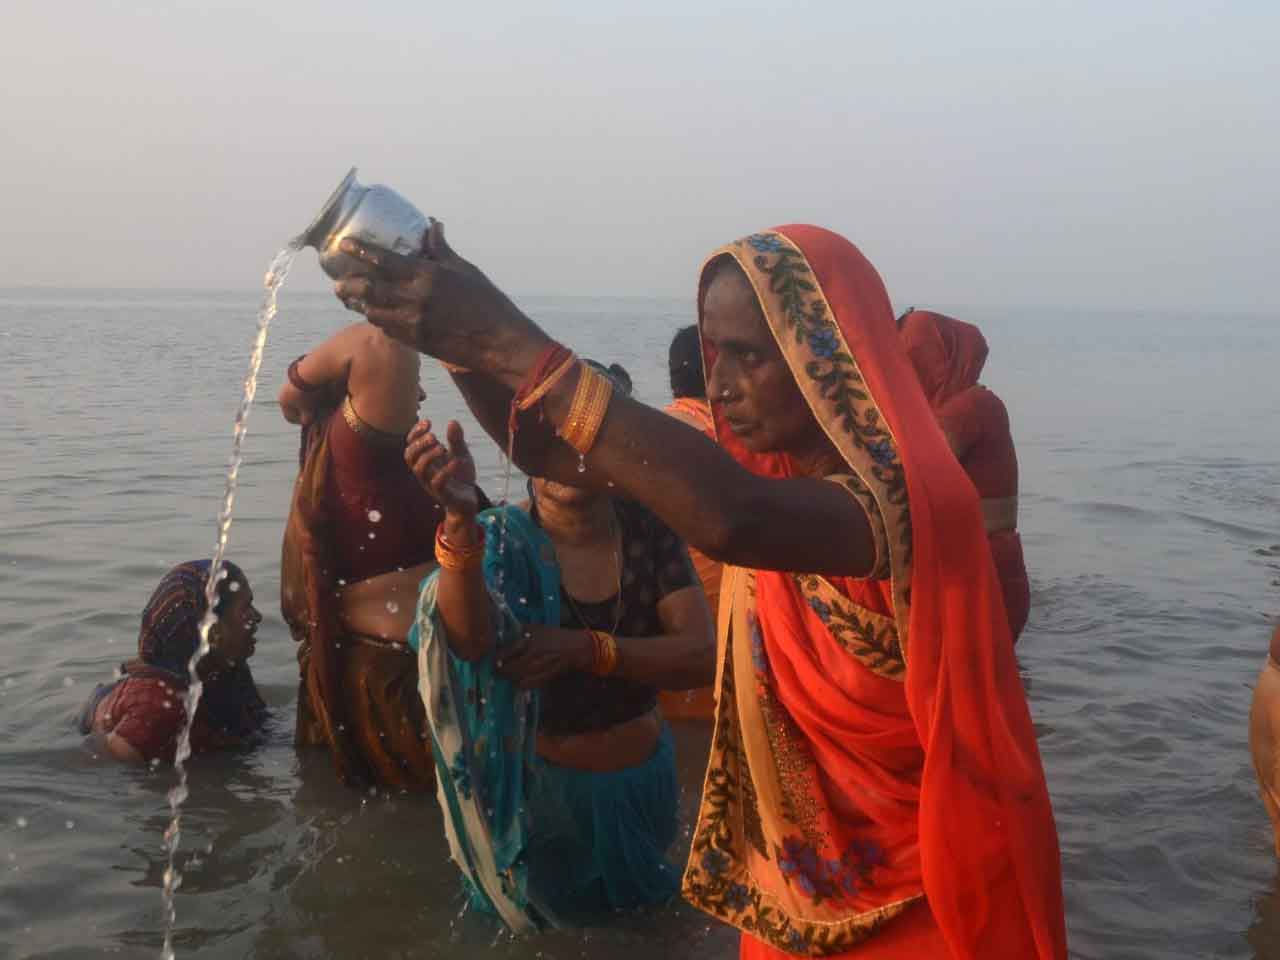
<point x="731" y="312"/>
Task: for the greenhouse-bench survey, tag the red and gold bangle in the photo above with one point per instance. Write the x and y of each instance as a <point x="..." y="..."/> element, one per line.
<point x="604" y="652"/>
<point x="548" y="382"/>
<point x="550" y="361"/>
<point x="587" y="411"/>
<point x="451" y="556"/>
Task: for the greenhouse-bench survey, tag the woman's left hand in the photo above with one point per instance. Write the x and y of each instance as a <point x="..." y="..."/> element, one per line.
<point x="544" y="653"/>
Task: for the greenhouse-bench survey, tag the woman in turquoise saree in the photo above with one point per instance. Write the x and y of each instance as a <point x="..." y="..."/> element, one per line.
<point x="543" y="641"/>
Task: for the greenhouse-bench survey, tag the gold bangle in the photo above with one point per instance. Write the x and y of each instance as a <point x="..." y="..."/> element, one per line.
<point x="587" y="411"/>
<point x="453" y="557"/>
<point x="604" y="653"/>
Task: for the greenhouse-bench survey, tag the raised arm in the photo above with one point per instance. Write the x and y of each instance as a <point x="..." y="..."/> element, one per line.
<point x="462" y="597"/>
<point x="447" y="308"/>
<point x="319" y="374"/>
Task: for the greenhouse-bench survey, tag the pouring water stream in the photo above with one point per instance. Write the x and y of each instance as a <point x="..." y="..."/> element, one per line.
<point x="274" y="280"/>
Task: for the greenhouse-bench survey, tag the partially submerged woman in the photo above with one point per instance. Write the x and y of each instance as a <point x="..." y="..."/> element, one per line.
<point x="689" y="405"/>
<point x="557" y="772"/>
<point x="139" y="716"/>
<point x="357" y="544"/>
<point x="875" y="789"/>
<point x="948" y="356"/>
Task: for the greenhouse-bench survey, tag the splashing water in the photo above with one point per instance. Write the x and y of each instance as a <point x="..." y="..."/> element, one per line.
<point x="274" y="280"/>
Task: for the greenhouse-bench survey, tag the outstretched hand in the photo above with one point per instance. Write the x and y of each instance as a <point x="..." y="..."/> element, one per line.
<point x="447" y="473"/>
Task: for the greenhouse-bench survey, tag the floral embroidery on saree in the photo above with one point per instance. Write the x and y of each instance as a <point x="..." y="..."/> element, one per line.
<point x="719" y="879"/>
<point x="870" y="637"/>
<point x="828" y="375"/>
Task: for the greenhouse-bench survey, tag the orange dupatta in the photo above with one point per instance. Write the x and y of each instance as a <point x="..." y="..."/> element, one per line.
<point x="873" y="745"/>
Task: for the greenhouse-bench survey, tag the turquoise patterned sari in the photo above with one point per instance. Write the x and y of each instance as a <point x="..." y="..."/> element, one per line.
<point x="537" y="844"/>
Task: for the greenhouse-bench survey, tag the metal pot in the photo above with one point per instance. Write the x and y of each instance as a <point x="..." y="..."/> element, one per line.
<point x="375" y="214"/>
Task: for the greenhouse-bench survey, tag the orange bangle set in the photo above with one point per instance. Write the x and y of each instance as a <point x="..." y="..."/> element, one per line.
<point x="453" y="557"/>
<point x="586" y="413"/>
<point x="604" y="653"/>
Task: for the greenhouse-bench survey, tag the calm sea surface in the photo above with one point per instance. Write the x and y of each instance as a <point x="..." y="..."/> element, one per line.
<point x="1151" y="517"/>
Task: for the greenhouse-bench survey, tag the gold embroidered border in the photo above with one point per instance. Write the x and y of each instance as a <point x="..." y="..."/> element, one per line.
<point x="827" y="373"/>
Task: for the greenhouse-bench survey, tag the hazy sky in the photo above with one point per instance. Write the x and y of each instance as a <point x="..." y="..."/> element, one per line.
<point x="1037" y="153"/>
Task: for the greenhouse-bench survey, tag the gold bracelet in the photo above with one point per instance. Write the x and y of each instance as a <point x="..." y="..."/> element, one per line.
<point x="453" y="557"/>
<point x="587" y="411"/>
<point x="604" y="653"/>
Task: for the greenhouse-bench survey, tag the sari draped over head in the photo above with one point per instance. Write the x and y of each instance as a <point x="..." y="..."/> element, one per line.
<point x="168" y="638"/>
<point x="358" y="695"/>
<point x="948" y="354"/>
<point x="874" y="764"/>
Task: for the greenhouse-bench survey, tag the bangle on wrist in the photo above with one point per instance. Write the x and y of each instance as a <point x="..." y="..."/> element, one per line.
<point x="456" y="556"/>
<point x="587" y="411"/>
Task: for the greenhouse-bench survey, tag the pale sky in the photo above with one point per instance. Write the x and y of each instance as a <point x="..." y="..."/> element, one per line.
<point x="1031" y="153"/>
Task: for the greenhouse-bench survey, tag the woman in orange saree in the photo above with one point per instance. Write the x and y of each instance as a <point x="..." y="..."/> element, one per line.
<point x="874" y="789"/>
<point x="948" y="356"/>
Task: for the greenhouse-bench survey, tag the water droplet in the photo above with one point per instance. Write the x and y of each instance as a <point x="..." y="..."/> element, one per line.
<point x="393" y="607"/>
<point x="342" y="583"/>
<point x="375" y="516"/>
<point x="9" y="681"/>
<point x="68" y="682"/>
<point x="372" y="535"/>
<point x="71" y="824"/>
<point x="22" y="823"/>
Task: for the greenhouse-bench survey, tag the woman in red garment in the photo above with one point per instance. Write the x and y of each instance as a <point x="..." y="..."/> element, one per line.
<point x="358" y="542"/>
<point x="948" y="356"/>
<point x="140" y="715"/>
<point x="874" y="788"/>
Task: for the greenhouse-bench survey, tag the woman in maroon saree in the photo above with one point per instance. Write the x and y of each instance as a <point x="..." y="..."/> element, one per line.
<point x="359" y="539"/>
<point x="948" y="356"/>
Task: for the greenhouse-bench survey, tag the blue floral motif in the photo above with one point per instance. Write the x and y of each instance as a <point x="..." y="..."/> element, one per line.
<point x="765" y="242"/>
<point x="822" y="878"/>
<point x="823" y="342"/>
<point x="796" y="942"/>
<point x="820" y="607"/>
<point x="715" y="862"/>
<point x="737" y="898"/>
<point x="882" y="452"/>
<point x="759" y="659"/>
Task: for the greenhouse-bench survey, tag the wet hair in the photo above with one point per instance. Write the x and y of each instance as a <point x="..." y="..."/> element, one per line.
<point x="684" y="361"/>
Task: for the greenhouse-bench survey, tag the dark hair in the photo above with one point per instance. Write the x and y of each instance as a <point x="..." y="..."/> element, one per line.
<point x="902" y="318"/>
<point x="684" y="361"/>
<point x="615" y="372"/>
